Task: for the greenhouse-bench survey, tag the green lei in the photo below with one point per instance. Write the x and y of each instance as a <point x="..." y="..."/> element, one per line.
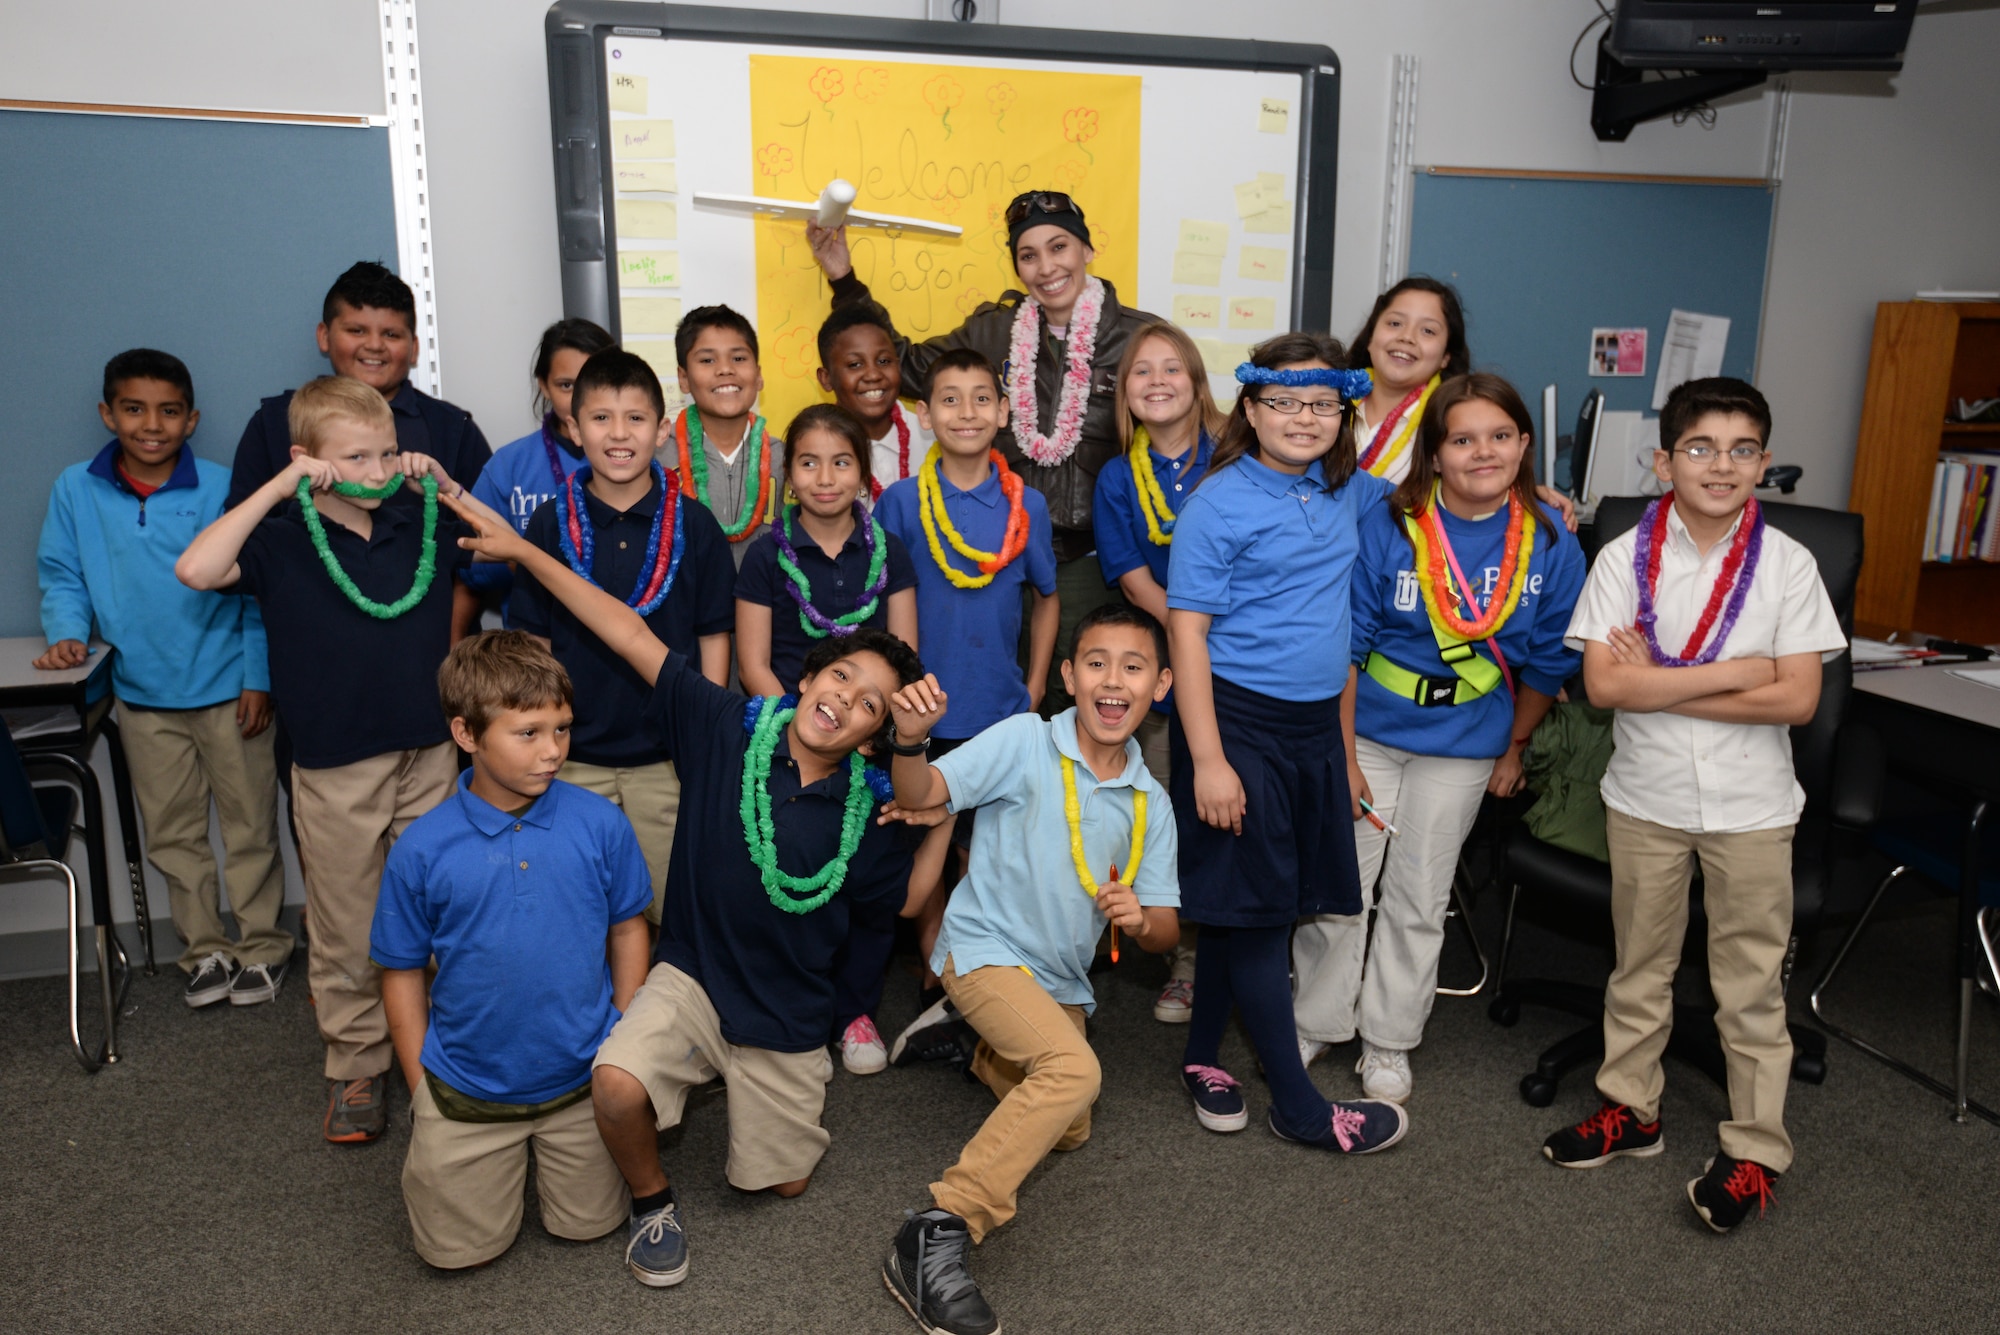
<point x="426" y="564"/>
<point x="754" y="480"/>
<point x="878" y="556"/>
<point x="795" y="894"/>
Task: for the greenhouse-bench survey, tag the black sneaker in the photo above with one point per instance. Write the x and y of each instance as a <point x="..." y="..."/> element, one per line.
<point x="1723" y="1193"/>
<point x="926" y="1272"/>
<point x="211" y="980"/>
<point x="934" y="1036"/>
<point x="257" y="983"/>
<point x="357" y="1111"/>
<point x="1218" y="1098"/>
<point x="1606" y="1134"/>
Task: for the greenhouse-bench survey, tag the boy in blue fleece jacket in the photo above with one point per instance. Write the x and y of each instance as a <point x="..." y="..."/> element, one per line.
<point x="190" y="674"/>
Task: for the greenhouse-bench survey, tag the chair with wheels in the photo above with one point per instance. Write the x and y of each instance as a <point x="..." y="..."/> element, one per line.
<point x="1840" y="769"/>
<point x="37" y="821"/>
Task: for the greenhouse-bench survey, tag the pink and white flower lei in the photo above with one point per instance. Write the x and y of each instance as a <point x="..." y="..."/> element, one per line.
<point x="1050" y="450"/>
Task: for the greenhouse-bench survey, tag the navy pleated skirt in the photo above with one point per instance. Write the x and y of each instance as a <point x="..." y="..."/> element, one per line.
<point x="1296" y="853"/>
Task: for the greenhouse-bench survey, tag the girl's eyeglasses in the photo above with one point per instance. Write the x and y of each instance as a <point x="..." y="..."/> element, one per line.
<point x="1290" y="407"/>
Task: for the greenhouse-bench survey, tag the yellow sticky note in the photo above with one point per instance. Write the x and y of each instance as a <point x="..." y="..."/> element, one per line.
<point x="1197" y="270"/>
<point x="1221" y="358"/>
<point x="654" y="315"/>
<point x="1193" y="312"/>
<point x="1200" y="237"/>
<point x="649" y="268"/>
<point x="657" y="177"/>
<point x="1261" y="262"/>
<point x="642" y="139"/>
<point x="1276" y="220"/>
<point x="628" y="93"/>
<point x="649" y="218"/>
<point x="1273" y="186"/>
<point x="658" y="354"/>
<point x="1246" y="312"/>
<point x="1272" y="113"/>
<point x="1250" y="199"/>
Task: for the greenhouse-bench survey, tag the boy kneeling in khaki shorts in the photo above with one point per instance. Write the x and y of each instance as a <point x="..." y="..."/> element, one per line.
<point x="530" y="893"/>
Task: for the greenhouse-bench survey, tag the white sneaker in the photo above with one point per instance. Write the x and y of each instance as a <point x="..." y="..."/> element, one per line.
<point x="1175" y="1004"/>
<point x="1385" y="1073"/>
<point x="862" y="1051"/>
<point x="1311" y="1050"/>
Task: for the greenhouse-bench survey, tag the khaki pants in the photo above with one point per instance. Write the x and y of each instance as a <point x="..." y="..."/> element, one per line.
<point x="1747" y="880"/>
<point x="347" y="817"/>
<point x="670" y="1040"/>
<point x="1033" y="1054"/>
<point x="650" y="797"/>
<point x="463" y="1181"/>
<point x="179" y="759"/>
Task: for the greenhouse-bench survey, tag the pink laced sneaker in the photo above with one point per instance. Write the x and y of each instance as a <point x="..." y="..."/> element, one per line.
<point x="862" y="1051"/>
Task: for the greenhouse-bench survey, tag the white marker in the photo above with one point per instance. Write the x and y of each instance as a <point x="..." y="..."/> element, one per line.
<point x="834" y="201"/>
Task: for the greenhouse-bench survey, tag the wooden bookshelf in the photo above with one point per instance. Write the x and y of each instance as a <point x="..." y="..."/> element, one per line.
<point x="1925" y="356"/>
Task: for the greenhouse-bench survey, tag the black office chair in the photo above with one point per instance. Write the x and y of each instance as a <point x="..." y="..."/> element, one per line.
<point x="1840" y="770"/>
<point x="36" y="822"/>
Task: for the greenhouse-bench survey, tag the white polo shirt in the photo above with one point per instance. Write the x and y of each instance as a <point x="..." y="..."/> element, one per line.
<point x="886" y="453"/>
<point x="1689" y="773"/>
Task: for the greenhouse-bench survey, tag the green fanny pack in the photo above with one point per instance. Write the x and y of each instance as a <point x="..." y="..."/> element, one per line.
<point x="1473" y="676"/>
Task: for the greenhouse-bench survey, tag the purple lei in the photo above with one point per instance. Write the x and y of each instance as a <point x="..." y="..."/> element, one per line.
<point x="870" y="596"/>
<point x="1642" y="559"/>
<point x="553" y="450"/>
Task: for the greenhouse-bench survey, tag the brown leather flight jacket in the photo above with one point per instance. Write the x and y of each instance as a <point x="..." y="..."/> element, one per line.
<point x="1068" y="486"/>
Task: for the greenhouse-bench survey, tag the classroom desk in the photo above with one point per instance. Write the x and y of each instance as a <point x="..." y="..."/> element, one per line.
<point x="1945" y="730"/>
<point x="87" y="690"/>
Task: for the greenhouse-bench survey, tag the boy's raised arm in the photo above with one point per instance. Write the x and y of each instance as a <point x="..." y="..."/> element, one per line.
<point x="623" y="630"/>
<point x="210" y="560"/>
<point x="916" y="709"/>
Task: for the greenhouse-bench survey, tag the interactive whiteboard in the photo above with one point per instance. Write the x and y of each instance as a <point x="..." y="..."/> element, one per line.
<point x="1205" y="169"/>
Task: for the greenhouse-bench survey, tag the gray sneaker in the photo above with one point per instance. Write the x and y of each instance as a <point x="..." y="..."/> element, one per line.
<point x="211" y="980"/>
<point x="357" y="1111"/>
<point x="657" y="1248"/>
<point x="258" y="983"/>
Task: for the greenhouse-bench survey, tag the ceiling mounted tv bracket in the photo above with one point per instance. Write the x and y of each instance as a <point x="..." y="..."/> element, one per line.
<point x="1622" y="97"/>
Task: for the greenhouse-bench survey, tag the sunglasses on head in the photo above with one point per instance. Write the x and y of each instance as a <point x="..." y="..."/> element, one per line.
<point x="1041" y="201"/>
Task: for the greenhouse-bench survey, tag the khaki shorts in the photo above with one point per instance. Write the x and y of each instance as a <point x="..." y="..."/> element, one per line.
<point x="463" y="1181"/>
<point x="670" y="1040"/>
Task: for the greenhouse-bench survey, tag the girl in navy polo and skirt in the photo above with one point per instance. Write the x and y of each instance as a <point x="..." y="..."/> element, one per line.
<point x="1167" y="420"/>
<point x="1461" y="594"/>
<point x="823" y="570"/>
<point x="1257" y="599"/>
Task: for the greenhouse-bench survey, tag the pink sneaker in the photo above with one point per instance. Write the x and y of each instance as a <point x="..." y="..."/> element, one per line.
<point x="861" y="1049"/>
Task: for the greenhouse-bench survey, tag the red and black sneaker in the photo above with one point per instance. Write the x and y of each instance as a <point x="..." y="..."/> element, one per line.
<point x="1723" y="1194"/>
<point x="1611" y="1131"/>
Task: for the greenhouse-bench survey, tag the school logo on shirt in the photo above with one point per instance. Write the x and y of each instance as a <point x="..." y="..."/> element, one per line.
<point x="524" y="503"/>
<point x="1407" y="593"/>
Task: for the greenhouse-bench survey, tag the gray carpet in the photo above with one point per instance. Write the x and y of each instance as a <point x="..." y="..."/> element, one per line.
<point x="188" y="1190"/>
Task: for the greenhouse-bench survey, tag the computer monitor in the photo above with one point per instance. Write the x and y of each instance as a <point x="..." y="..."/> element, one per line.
<point x="1548" y="441"/>
<point x="1583" y="446"/>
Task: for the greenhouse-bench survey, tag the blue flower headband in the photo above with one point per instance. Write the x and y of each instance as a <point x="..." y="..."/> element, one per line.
<point x="1350" y="385"/>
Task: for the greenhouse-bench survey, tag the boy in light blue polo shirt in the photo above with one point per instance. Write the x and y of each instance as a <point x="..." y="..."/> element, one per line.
<point x="529" y="892"/>
<point x="1073" y="832"/>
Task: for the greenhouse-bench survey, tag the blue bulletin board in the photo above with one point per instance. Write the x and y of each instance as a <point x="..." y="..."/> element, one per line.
<point x="1541" y="261"/>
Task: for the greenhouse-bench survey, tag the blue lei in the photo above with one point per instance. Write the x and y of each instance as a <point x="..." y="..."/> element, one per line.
<point x="879" y="782"/>
<point x="578" y="539"/>
<point x="1351" y="385"/>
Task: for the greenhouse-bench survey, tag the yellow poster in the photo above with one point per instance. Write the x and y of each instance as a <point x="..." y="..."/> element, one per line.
<point x="951" y="143"/>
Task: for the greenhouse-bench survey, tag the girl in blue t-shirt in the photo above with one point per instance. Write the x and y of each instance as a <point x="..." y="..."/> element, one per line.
<point x="1462" y="592"/>
<point x="1167" y="422"/>
<point x="1257" y="614"/>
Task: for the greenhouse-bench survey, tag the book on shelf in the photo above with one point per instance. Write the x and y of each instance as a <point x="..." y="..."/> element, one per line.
<point x="1964" y="518"/>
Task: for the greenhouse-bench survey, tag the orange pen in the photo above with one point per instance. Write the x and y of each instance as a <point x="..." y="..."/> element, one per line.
<point x="1114" y="926"/>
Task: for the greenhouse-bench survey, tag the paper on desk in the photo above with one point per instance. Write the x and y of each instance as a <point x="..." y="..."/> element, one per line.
<point x="1980" y="676"/>
<point x="1865" y="650"/>
<point x="1691" y="350"/>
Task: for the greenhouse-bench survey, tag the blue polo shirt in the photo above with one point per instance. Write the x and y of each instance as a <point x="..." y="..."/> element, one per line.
<point x="767" y="971"/>
<point x="1269" y="555"/>
<point x="1021" y="903"/>
<point x="610" y="696"/>
<point x="971" y="637"/>
<point x="837" y="584"/>
<point x="516" y="908"/>
<point x="515" y="482"/>
<point x="348" y="685"/>
<point x="1389" y="618"/>
<point x="444" y="431"/>
<point x="1123" y="542"/>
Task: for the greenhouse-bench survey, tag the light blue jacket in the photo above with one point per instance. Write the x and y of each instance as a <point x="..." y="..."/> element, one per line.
<point x="106" y="559"/>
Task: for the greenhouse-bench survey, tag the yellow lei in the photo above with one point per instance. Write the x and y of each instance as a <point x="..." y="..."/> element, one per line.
<point x="1406" y="430"/>
<point x="931" y="511"/>
<point x="1075" y="816"/>
<point x="1152" y="499"/>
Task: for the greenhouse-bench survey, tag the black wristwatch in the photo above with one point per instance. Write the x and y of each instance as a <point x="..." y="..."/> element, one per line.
<point x="921" y="748"/>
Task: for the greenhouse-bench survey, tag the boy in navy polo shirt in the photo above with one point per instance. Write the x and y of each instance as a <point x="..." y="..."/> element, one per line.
<point x="357" y="607"/>
<point x="194" y="699"/>
<point x="743" y="979"/>
<point x="955" y="517"/>
<point x="649" y="544"/>
<point x="529" y="893"/>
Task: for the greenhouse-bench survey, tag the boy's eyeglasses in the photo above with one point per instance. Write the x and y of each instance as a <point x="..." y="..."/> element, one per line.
<point x="1041" y="201"/>
<point x="1289" y="407"/>
<point x="1741" y="455"/>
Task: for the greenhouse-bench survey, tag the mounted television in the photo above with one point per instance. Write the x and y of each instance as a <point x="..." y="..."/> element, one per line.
<point x="1771" y="35"/>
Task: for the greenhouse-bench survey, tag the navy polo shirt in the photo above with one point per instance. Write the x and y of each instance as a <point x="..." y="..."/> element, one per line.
<point x="768" y="972"/>
<point x="516" y="907"/>
<point x="1269" y="555"/>
<point x="1124" y="544"/>
<point x="610" y="696"/>
<point x="837" y="584"/>
<point x="971" y="637"/>
<point x="424" y="425"/>
<point x="349" y="685"/>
